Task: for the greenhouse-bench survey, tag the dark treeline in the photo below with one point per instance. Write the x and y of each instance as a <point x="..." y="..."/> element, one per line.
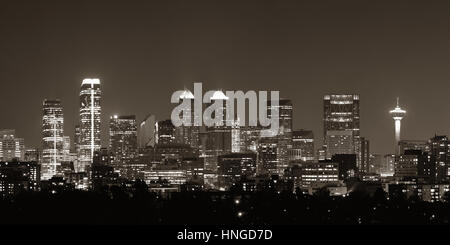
<point x="123" y="206"/>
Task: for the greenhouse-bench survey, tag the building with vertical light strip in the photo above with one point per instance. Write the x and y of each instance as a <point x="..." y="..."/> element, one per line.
<point x="52" y="138"/>
<point x="90" y="113"/>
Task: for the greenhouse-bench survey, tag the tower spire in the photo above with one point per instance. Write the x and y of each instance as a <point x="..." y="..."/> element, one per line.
<point x="397" y="114"/>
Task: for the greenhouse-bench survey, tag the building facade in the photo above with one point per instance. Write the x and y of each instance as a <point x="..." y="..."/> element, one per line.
<point x="90" y="122"/>
<point x="11" y="147"/>
<point x="147" y="132"/>
<point x="302" y="146"/>
<point x="123" y="141"/>
<point x="52" y="138"/>
<point x="341" y="128"/>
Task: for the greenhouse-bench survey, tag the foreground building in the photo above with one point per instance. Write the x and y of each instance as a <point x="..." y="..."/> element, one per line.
<point x="315" y="175"/>
<point x="18" y="176"/>
<point x="232" y="167"/>
<point x="440" y="151"/>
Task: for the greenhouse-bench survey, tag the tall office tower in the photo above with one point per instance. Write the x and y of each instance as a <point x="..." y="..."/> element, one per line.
<point x="285" y="115"/>
<point x="397" y="114"/>
<point x="302" y="146"/>
<point x="10" y="146"/>
<point x="341" y="124"/>
<point x="218" y="138"/>
<point x="52" y="138"/>
<point x="90" y="113"/>
<point x="188" y="135"/>
<point x="147" y="132"/>
<point x="440" y="151"/>
<point x="123" y="141"/>
<point x="284" y="135"/>
<point x="268" y="159"/>
<point x="364" y="156"/>
<point x="165" y="132"/>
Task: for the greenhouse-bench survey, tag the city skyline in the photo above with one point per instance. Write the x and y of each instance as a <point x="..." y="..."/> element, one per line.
<point x="213" y="119"/>
<point x="318" y="135"/>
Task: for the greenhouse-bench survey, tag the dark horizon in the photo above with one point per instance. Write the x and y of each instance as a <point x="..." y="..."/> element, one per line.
<point x="145" y="50"/>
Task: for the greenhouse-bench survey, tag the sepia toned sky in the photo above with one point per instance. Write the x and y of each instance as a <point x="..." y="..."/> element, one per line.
<point x="145" y="50"/>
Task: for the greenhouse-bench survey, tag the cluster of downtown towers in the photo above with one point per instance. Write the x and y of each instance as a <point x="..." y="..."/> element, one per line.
<point x="219" y="157"/>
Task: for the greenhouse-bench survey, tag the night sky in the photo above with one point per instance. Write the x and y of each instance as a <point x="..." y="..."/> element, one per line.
<point x="145" y="50"/>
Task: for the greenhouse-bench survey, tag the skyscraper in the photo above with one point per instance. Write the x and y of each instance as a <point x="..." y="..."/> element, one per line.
<point x="90" y="112"/>
<point x="341" y="124"/>
<point x="123" y="140"/>
<point x="268" y="156"/>
<point x="284" y="134"/>
<point x="218" y="139"/>
<point x="165" y="132"/>
<point x="285" y="111"/>
<point x="188" y="135"/>
<point x="146" y="132"/>
<point x="397" y="114"/>
<point x="52" y="138"/>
